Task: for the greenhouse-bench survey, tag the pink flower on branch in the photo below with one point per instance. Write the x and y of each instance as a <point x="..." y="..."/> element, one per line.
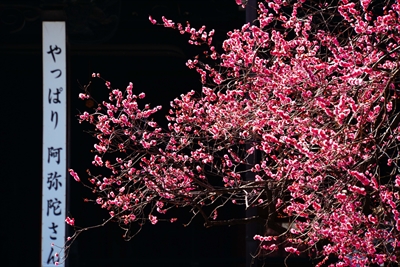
<point x="153" y="21"/>
<point x="70" y="221"/>
<point x="74" y="174"/>
<point x="292" y="250"/>
<point x="153" y="219"/>
<point x="83" y="96"/>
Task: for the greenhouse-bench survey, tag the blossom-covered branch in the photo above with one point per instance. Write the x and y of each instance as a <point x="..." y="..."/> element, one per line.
<point x="310" y="88"/>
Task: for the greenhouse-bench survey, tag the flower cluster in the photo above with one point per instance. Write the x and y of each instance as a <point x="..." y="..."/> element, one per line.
<point x="305" y="100"/>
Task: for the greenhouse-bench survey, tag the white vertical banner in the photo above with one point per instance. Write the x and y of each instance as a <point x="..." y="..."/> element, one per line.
<point x="54" y="156"/>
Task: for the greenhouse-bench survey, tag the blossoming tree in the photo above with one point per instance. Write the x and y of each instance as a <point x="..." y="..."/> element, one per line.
<point x="298" y="115"/>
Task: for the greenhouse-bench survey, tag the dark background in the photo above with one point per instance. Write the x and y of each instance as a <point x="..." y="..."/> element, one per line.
<point x="114" y="38"/>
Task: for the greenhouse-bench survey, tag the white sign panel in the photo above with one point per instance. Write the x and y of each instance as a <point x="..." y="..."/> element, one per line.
<point x="54" y="156"/>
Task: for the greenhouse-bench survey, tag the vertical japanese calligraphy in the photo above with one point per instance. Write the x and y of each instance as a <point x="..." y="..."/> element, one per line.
<point x="54" y="143"/>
